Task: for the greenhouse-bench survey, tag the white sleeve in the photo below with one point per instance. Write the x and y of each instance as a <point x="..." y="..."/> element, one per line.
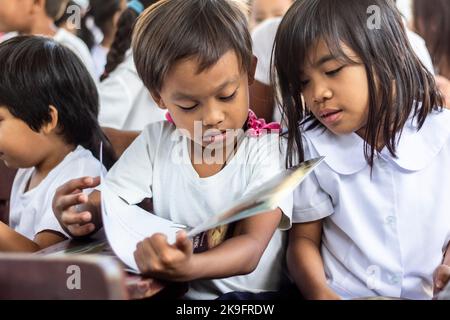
<point x="311" y="203"/>
<point x="262" y="49"/>
<point x="86" y="166"/>
<point x="132" y="175"/>
<point x="117" y="95"/>
<point x="265" y="161"/>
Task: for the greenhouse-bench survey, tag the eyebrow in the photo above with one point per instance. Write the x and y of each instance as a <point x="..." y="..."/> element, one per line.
<point x="183" y="96"/>
<point x="324" y="59"/>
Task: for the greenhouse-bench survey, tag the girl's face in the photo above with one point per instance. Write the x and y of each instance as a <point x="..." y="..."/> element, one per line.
<point x="15" y="15"/>
<point x="265" y="9"/>
<point x="335" y="92"/>
<point x="20" y="147"/>
<point x="212" y="105"/>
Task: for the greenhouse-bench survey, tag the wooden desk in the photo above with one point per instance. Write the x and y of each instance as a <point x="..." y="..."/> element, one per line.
<point x="137" y="287"/>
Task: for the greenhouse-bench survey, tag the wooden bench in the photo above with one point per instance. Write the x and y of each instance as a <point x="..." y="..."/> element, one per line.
<point x="33" y="277"/>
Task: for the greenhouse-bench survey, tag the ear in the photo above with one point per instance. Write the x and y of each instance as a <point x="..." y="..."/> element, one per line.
<point x="252" y="71"/>
<point x="51" y="126"/>
<point x="159" y="101"/>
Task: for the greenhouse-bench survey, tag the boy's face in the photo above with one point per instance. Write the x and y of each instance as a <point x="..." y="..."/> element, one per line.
<point x="213" y="101"/>
<point x="15" y="15"/>
<point x="20" y="147"/>
<point x="336" y="93"/>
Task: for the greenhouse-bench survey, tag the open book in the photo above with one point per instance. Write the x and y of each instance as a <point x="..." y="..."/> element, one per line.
<point x="126" y="225"/>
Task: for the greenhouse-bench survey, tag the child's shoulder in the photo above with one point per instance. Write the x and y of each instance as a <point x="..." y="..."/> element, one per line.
<point x="160" y="131"/>
<point x="80" y="162"/>
<point x="263" y="142"/>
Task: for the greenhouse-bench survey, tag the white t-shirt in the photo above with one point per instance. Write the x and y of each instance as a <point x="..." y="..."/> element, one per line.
<point x="99" y="55"/>
<point x="157" y="165"/>
<point x="383" y="234"/>
<point x="263" y="37"/>
<point x="125" y="103"/>
<point x="31" y="212"/>
<point x="77" y="45"/>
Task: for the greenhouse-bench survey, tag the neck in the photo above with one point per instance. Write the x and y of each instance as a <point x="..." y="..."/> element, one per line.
<point x="56" y="155"/>
<point x="44" y="27"/>
<point x="108" y="37"/>
<point x="380" y="143"/>
<point x="208" y="162"/>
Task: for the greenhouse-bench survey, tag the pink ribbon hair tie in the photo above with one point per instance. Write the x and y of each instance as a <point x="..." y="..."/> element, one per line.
<point x="256" y="126"/>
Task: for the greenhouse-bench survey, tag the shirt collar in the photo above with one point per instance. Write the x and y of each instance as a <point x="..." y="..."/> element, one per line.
<point x="415" y="150"/>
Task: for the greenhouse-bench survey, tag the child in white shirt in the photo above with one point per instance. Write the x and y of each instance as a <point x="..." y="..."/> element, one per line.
<point x="38" y="18"/>
<point x="125" y="102"/>
<point x="48" y="128"/>
<point x="210" y="153"/>
<point x="373" y="220"/>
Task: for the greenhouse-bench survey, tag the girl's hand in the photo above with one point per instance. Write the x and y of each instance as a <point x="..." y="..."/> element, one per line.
<point x="66" y="198"/>
<point x="156" y="258"/>
<point x="441" y="278"/>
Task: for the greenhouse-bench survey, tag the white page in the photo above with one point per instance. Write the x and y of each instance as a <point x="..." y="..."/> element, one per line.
<point x="263" y="199"/>
<point x="126" y="225"/>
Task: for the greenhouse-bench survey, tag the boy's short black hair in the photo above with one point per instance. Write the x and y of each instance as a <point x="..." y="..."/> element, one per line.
<point x="173" y="30"/>
<point x="36" y="73"/>
<point x="54" y="8"/>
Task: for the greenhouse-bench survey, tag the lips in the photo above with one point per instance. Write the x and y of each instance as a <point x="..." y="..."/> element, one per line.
<point x="329" y="116"/>
<point x="214" y="136"/>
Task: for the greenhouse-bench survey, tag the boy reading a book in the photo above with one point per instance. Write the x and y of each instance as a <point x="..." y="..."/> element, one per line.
<point x="211" y="152"/>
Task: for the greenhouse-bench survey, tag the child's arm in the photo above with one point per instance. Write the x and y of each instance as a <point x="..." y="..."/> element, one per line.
<point x="442" y="273"/>
<point x="78" y="214"/>
<point x="305" y="262"/>
<point x="235" y="256"/>
<point x="12" y="241"/>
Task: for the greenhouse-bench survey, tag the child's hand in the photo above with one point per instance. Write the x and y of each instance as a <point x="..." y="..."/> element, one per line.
<point x="66" y="198"/>
<point x="155" y="257"/>
<point x="441" y="278"/>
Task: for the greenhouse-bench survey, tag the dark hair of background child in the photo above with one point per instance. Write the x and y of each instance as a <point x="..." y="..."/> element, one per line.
<point x="122" y="39"/>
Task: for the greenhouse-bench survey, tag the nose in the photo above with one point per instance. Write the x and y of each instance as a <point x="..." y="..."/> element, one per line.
<point x="212" y="115"/>
<point x="321" y="93"/>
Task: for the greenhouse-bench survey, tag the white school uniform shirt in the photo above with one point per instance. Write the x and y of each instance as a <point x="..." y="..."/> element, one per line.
<point x="125" y="103"/>
<point x="31" y="212"/>
<point x="157" y="165"/>
<point x="77" y="45"/>
<point x="263" y="37"/>
<point x="383" y="235"/>
<point x="99" y="55"/>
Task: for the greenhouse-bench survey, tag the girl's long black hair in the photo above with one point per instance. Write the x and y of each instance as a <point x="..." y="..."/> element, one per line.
<point x="36" y="73"/>
<point x="122" y="39"/>
<point x="398" y="82"/>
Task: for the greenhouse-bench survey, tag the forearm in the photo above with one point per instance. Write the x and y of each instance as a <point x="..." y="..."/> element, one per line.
<point x="236" y="256"/>
<point x="12" y="241"/>
<point x="306" y="267"/>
